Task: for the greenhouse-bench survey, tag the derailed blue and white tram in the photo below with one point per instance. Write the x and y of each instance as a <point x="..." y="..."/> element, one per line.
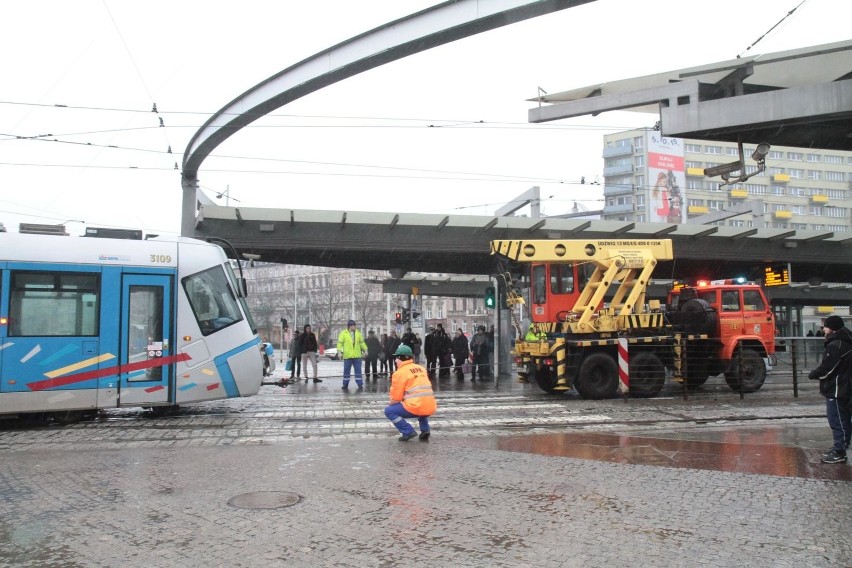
<point x="94" y="323"/>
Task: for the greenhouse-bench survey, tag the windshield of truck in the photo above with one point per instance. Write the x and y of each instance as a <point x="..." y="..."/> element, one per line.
<point x="562" y="279"/>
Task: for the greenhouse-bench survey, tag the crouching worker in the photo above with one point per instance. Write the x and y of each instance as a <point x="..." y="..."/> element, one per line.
<point x="411" y="396"/>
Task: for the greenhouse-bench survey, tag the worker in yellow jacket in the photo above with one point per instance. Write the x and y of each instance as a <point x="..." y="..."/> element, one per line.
<point x="351" y="347"/>
<point x="411" y="396"/>
<point x="534" y="333"/>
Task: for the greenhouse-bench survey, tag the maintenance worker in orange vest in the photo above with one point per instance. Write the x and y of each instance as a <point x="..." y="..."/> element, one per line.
<point x="411" y="396"/>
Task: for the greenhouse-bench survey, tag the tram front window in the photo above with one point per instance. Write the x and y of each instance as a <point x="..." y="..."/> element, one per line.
<point x="212" y="299"/>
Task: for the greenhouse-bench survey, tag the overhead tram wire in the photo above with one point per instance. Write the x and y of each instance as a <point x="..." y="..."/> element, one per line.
<point x="758" y="40"/>
<point x="141" y="79"/>
<point x="494" y="177"/>
<point x="451" y="123"/>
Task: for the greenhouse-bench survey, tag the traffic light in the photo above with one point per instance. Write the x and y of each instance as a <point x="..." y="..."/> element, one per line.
<point x="398" y="317"/>
<point x="283" y="323"/>
<point x="406" y="315"/>
<point x="490" y="298"/>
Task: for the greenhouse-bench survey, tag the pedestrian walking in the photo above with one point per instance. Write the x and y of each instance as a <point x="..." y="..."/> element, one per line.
<point x="351" y="346"/>
<point x="835" y="384"/>
<point x="295" y="356"/>
<point x="309" y="349"/>
<point x="373" y="350"/>
<point x="411" y="396"/>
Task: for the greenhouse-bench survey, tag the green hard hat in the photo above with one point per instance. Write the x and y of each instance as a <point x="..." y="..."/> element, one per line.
<point x="403" y="350"/>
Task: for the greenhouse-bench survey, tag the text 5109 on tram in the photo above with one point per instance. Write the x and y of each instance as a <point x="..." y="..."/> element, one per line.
<point x="92" y="323"/>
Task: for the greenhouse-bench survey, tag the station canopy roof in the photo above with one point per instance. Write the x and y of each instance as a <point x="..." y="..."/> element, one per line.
<point x="799" y="97"/>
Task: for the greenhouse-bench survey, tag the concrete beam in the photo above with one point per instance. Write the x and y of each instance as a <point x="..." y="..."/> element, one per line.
<point x="770" y="116"/>
<point x="670" y="96"/>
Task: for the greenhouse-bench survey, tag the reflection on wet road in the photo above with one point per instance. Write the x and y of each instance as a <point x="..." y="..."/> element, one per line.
<point x="760" y="451"/>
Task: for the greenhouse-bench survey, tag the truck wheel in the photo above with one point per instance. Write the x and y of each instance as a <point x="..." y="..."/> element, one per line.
<point x="647" y="374"/>
<point x="597" y="377"/>
<point x="545" y="378"/>
<point x="747" y="372"/>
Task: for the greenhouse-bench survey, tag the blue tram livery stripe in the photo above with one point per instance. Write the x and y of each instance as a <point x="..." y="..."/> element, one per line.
<point x="228" y="380"/>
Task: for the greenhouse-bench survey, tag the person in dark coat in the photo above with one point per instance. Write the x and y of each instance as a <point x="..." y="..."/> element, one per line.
<point x="443" y="351"/>
<point x="479" y="348"/>
<point x="460" y="352"/>
<point x="383" y="360"/>
<point x="308" y="347"/>
<point x="430" y="352"/>
<point x="373" y="349"/>
<point x="390" y="348"/>
<point x="296" y="356"/>
<point x="835" y="384"/>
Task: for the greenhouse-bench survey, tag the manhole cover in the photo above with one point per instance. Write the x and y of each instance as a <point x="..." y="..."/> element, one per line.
<point x="264" y="500"/>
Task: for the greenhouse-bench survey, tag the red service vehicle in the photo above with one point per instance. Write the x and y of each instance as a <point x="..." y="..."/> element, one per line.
<point x="740" y="326"/>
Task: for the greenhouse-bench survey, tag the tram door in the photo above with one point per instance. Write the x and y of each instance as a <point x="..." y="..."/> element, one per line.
<point x="146" y="342"/>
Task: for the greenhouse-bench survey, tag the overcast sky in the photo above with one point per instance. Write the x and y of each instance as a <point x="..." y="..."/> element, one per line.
<point x="444" y="131"/>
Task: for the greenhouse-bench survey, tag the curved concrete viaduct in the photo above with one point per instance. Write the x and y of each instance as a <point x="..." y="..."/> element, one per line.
<point x="412" y="34"/>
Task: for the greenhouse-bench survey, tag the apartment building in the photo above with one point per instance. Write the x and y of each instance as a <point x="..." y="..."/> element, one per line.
<point x="652" y="178"/>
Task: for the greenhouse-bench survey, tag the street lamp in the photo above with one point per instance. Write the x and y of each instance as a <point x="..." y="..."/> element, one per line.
<point x="227" y="195"/>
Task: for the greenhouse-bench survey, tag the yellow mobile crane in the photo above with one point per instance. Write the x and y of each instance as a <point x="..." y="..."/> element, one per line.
<point x="595" y="343"/>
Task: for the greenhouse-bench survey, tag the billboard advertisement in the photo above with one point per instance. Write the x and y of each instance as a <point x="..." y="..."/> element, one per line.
<point x="667" y="177"/>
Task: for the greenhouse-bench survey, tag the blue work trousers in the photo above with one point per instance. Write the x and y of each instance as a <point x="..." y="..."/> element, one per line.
<point x="838" y="412"/>
<point x="347" y="371"/>
<point x="397" y="414"/>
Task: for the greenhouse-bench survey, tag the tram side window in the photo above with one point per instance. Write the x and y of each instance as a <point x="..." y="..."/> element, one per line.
<point x="54" y="304"/>
<point x="212" y="300"/>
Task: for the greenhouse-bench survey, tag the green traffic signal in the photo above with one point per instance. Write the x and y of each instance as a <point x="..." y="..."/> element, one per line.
<point x="490" y="297"/>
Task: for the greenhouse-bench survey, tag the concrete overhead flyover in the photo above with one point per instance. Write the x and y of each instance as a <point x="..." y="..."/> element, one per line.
<point x="801" y="97"/>
<point x="434" y="26"/>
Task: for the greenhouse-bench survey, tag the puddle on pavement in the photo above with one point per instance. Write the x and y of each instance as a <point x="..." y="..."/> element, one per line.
<point x="757" y="452"/>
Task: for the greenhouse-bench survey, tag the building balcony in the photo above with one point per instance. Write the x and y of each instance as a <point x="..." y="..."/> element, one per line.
<point x="617" y="209"/>
<point x="618" y="189"/>
<point x="618" y="170"/>
<point x="697" y="209"/>
<point x="738" y="194"/>
<point x="782" y="214"/>
<point x="781" y="178"/>
<point x="613" y="151"/>
<point x="820" y="199"/>
<point x="695" y="172"/>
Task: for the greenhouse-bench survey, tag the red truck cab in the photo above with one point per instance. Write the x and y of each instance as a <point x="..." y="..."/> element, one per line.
<point x="742" y="324"/>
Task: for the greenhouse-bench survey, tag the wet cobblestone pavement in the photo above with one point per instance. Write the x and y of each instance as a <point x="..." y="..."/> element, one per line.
<point x="511" y="477"/>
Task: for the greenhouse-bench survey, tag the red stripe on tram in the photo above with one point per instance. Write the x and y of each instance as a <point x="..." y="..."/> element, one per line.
<point x="98" y="373"/>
